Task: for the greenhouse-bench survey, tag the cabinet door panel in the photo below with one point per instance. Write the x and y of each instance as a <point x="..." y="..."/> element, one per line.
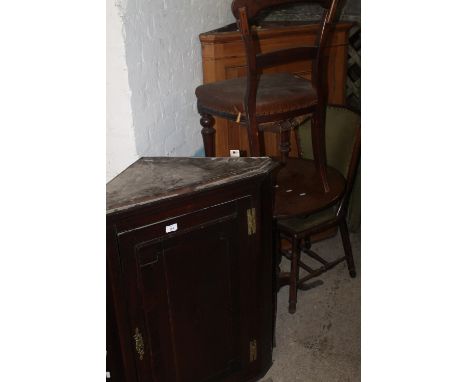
<point x="184" y="296"/>
<point x="202" y="278"/>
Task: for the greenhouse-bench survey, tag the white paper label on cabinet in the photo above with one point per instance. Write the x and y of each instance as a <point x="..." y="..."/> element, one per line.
<point x="171" y="228"/>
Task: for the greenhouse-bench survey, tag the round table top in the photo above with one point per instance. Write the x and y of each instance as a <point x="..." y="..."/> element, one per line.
<point x="299" y="191"/>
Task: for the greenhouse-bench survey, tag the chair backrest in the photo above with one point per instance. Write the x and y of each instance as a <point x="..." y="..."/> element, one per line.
<point x="245" y="11"/>
<point x="343" y="143"/>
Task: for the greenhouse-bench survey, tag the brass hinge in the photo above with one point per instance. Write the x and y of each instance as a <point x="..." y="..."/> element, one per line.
<point x="251" y="221"/>
<point x="253" y="350"/>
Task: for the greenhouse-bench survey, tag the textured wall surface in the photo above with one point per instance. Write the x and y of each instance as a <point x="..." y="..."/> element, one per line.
<point x="120" y="137"/>
<point x="164" y="63"/>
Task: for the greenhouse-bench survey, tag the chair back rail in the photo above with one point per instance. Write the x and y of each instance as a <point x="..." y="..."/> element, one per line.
<point x="285" y="56"/>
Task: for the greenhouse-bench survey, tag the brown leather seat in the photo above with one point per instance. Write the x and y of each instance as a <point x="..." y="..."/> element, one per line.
<point x="277" y="93"/>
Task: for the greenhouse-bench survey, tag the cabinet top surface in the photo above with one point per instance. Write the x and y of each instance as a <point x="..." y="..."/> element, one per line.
<point x="150" y="179"/>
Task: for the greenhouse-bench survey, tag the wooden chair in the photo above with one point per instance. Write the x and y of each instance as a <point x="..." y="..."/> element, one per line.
<point x="275" y="102"/>
<point x="343" y="145"/>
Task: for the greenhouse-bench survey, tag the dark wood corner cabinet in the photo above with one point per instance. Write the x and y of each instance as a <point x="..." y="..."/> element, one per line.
<point x="190" y="270"/>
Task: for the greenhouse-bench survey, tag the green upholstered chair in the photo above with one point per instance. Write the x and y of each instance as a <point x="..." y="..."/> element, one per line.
<point x="343" y="145"/>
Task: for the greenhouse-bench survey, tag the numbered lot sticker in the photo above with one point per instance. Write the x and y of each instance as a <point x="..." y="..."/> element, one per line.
<point x="171" y="228"/>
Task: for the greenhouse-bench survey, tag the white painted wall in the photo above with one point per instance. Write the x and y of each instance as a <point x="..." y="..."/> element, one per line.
<point x="164" y="65"/>
<point x="120" y="135"/>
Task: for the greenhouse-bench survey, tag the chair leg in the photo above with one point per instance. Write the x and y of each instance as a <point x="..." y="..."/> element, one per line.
<point x="347" y="248"/>
<point x="208" y="134"/>
<point x="298" y="142"/>
<point x="277" y="255"/>
<point x="294" y="275"/>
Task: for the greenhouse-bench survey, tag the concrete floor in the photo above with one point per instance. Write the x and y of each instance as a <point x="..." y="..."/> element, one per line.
<point x="321" y="341"/>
